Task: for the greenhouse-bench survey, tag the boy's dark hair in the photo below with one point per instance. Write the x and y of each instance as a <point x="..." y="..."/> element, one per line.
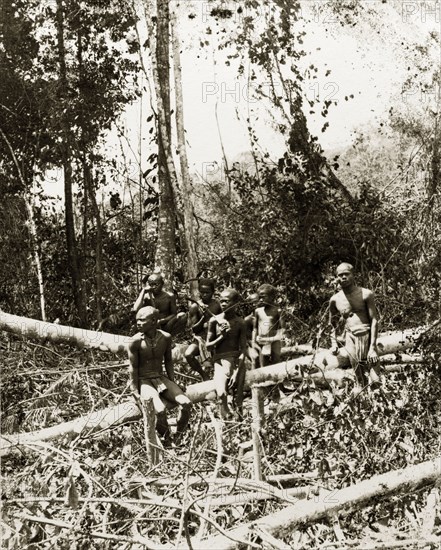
<point x="233" y="292"/>
<point x="268" y="288"/>
<point x="206" y="282"/>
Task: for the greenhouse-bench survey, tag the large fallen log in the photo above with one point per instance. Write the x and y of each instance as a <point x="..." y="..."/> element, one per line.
<point x="346" y="500"/>
<point x="113" y="416"/>
<point x="392" y="342"/>
<point x="95" y="420"/>
<point x="78" y="337"/>
<point x="321" y="368"/>
<point x="84" y="338"/>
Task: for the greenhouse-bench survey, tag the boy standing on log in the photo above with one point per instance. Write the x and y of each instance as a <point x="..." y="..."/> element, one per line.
<point x="153" y="295"/>
<point x="199" y="315"/>
<point x="269" y="329"/>
<point x="268" y="333"/>
<point x="148" y="350"/>
<point x="227" y="336"/>
<point x="355" y="306"/>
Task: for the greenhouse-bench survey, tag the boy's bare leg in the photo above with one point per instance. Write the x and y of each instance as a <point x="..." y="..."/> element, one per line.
<point x="240" y="382"/>
<point x="224" y="409"/>
<point x="190" y="356"/>
<point x="222" y="370"/>
<point x="163" y="428"/>
<point x="183" y="417"/>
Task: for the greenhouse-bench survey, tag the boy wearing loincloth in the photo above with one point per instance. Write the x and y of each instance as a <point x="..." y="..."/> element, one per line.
<point x="355" y="307"/>
<point x="227" y="338"/>
<point x="148" y="350"/>
<point x="269" y="329"/>
<point x="199" y="315"/>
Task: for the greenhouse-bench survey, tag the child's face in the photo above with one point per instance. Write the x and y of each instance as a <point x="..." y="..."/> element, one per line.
<point x="345" y="277"/>
<point x="146" y="323"/>
<point x="155" y="284"/>
<point x="253" y="300"/>
<point x="227" y="301"/>
<point x="206" y="294"/>
<point x="265" y="298"/>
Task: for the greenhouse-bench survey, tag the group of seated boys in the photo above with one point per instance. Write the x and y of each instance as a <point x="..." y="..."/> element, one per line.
<point x="222" y="341"/>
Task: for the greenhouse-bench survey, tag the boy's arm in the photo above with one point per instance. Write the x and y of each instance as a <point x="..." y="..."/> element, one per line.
<point x="243" y="339"/>
<point x="133" y="349"/>
<point x="373" y="316"/>
<point x="255" y="336"/>
<point x="139" y="301"/>
<point x="172" y="308"/>
<point x="212" y="341"/>
<point x="168" y="360"/>
<point x="334" y="316"/>
<point x="195" y="318"/>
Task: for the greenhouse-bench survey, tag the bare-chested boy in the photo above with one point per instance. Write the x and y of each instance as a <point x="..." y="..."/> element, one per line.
<point x="355" y="307"/>
<point x="199" y="314"/>
<point x="228" y="338"/>
<point x="269" y="329"/>
<point x="153" y="295"/>
<point x="250" y="319"/>
<point x="148" y="350"/>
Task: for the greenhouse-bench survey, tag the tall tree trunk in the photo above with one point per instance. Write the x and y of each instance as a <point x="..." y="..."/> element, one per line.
<point x="32" y="229"/>
<point x="89" y="192"/>
<point x="72" y="255"/>
<point x="166" y="244"/>
<point x="435" y="168"/>
<point x="98" y="246"/>
<point x="187" y="191"/>
<point x="158" y="41"/>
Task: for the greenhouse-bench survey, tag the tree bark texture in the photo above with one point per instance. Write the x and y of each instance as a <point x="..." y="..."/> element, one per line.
<point x="191" y="262"/>
<point x="346" y="500"/>
<point x="66" y="154"/>
<point x="166" y="243"/>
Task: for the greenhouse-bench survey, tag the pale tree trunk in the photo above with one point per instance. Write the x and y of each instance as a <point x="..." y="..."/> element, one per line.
<point x="187" y="190"/>
<point x="292" y="370"/>
<point x="348" y="499"/>
<point x="79" y="337"/>
<point x="32" y="229"/>
<point x="89" y="184"/>
<point x="75" y="272"/>
<point x="159" y="48"/>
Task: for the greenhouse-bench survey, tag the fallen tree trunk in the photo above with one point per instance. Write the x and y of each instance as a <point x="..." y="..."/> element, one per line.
<point x="96" y="420"/>
<point x="349" y="499"/>
<point x="392" y="342"/>
<point x="78" y="337"/>
<point x="292" y="370"/>
<point x="118" y="414"/>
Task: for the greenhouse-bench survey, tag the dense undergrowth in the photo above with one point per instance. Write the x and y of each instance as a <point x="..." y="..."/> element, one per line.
<point x="99" y="482"/>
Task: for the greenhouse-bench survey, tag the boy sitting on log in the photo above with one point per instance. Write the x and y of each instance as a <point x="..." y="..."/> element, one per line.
<point x="153" y="295"/>
<point x="199" y="315"/>
<point x="228" y="338"/>
<point x="148" y="350"/>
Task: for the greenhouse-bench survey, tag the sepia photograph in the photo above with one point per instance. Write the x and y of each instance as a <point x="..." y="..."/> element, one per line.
<point x="220" y="271"/>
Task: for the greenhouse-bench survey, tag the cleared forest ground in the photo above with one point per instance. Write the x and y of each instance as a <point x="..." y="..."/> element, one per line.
<point x="96" y="490"/>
